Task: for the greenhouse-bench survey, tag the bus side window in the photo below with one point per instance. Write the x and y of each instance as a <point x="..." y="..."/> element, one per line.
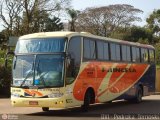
<point x="126" y="53"/>
<point x="144" y="55"/>
<point x="135" y="54"/>
<point x="106" y="51"/>
<point x="151" y="56"/>
<point x="118" y="54"/>
<point x="89" y="49"/>
<point x="102" y="50"/>
<point x="115" y="52"/>
<point x="74" y="58"/>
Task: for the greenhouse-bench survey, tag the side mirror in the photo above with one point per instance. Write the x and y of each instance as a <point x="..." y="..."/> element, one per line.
<point x="6" y="57"/>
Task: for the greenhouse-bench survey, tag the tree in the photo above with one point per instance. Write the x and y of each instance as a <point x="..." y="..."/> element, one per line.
<point x="154" y="22"/>
<point x="73" y="14"/>
<point x="104" y="20"/>
<point x="12" y="9"/>
<point x="140" y="33"/>
<point x="53" y="24"/>
<point x="2" y="38"/>
<point x="32" y="7"/>
<point x="27" y="16"/>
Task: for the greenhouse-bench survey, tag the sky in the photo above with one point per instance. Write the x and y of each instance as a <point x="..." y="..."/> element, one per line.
<point x="147" y="6"/>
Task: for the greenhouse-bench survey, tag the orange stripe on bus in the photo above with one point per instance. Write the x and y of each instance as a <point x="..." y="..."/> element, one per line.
<point x="115" y="75"/>
<point x="33" y="92"/>
<point x="95" y="72"/>
<point x="87" y="78"/>
<point x="128" y="79"/>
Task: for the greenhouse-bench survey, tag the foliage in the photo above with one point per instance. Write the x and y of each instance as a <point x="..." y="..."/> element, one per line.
<point x="12" y="9"/>
<point x="28" y="16"/>
<point x="154" y="22"/>
<point x="53" y="24"/>
<point x="5" y="75"/>
<point x="105" y="20"/>
<point x="73" y="14"/>
<point x="2" y="38"/>
<point x="157" y="47"/>
<point x="2" y="57"/>
<point x="135" y="34"/>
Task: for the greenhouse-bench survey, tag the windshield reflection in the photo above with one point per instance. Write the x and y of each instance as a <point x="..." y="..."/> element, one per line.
<point x="40" y="70"/>
<point x="49" y="70"/>
<point x="23" y="65"/>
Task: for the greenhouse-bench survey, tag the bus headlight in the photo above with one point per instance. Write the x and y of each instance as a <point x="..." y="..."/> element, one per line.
<point x="55" y="95"/>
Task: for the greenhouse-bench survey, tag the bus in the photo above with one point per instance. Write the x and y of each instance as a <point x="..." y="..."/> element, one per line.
<point x="69" y="69"/>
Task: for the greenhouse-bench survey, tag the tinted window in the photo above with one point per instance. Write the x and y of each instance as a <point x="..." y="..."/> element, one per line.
<point x="106" y="51"/>
<point x="144" y="55"/>
<point x="102" y="50"/>
<point x="126" y="53"/>
<point x="118" y="57"/>
<point x="115" y="51"/>
<point x="89" y="49"/>
<point x="74" y="49"/>
<point x="151" y="55"/>
<point x="86" y="49"/>
<point x="40" y="45"/>
<point x="135" y="54"/>
<point x="73" y="64"/>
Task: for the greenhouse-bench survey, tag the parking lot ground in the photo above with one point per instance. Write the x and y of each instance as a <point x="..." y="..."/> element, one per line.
<point x="148" y="109"/>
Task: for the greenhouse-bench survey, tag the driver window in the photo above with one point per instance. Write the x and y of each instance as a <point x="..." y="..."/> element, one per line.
<point x="74" y="58"/>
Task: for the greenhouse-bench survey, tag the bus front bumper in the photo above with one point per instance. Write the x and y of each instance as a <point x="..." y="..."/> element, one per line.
<point x="38" y="102"/>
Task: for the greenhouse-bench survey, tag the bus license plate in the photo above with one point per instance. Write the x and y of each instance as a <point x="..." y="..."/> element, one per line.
<point x="33" y="102"/>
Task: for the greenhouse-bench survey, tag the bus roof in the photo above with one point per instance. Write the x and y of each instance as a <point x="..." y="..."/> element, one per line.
<point x="85" y="34"/>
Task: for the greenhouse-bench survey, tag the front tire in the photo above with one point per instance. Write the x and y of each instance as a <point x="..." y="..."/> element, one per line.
<point x="87" y="101"/>
<point x="45" y="109"/>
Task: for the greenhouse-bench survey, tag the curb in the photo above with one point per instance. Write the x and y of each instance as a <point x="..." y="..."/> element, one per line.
<point x="157" y="93"/>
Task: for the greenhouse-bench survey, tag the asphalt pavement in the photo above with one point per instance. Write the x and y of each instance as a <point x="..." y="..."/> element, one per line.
<point x="118" y="110"/>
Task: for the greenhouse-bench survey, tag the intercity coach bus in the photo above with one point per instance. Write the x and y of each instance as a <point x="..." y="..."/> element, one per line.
<point x="68" y="69"/>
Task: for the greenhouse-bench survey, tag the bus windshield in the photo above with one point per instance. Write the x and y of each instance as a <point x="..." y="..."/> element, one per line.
<point x="40" y="45"/>
<point x="40" y="70"/>
<point x="39" y="62"/>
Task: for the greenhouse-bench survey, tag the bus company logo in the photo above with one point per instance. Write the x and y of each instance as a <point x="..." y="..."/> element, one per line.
<point x="32" y="93"/>
<point x="121" y="70"/>
<point x="4" y="116"/>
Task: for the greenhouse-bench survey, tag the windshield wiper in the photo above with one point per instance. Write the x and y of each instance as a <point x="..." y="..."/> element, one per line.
<point x="26" y="78"/>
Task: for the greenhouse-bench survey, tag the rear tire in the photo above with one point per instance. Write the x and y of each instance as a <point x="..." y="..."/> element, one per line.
<point x="45" y="109"/>
<point x="138" y="96"/>
<point x="87" y="101"/>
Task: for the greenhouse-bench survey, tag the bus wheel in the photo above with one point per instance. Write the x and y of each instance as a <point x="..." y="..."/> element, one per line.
<point x="45" y="109"/>
<point x="87" y="101"/>
<point x="138" y="96"/>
